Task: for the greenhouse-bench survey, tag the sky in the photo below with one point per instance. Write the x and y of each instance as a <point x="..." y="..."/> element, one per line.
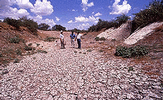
<point x="80" y="14"/>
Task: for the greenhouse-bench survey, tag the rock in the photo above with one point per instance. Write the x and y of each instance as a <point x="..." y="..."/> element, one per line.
<point x="5" y="71"/>
<point x="130" y="96"/>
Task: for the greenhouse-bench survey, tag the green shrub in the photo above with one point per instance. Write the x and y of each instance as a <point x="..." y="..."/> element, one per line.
<point x="37" y="44"/>
<point x="130" y="69"/>
<point x="16" y="60"/>
<point x="131" y="51"/>
<point x="13" y="22"/>
<point x="41" y="51"/>
<point x="30" y="24"/>
<point x="27" y="48"/>
<point x="153" y="13"/>
<point x="49" y="39"/>
<point x="108" y="24"/>
<point x="122" y="19"/>
<point x="100" y="39"/>
<point x="30" y="44"/>
<point x="18" y="52"/>
<point x="89" y="50"/>
<point x="97" y="38"/>
<point x="14" y="40"/>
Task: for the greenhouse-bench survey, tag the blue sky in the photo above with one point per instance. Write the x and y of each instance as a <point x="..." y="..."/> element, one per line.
<point x="71" y="14"/>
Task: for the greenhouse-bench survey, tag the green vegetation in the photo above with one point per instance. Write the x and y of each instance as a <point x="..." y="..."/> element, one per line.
<point x="14" y="40"/>
<point x="37" y="44"/>
<point x="58" y="28"/>
<point x="12" y="22"/>
<point x="43" y="26"/>
<point x="131" y="51"/>
<point x="30" y="24"/>
<point x="50" y="39"/>
<point x="100" y="39"/>
<point x="18" y="52"/>
<point x="41" y="51"/>
<point x="89" y="50"/>
<point x="105" y="24"/>
<point x="30" y="44"/>
<point x="152" y="13"/>
<point x="130" y="69"/>
<point x="27" y="48"/>
<point x="16" y="60"/>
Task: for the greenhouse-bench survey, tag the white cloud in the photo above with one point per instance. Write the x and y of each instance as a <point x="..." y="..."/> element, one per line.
<point x="14" y="13"/>
<point x="39" y="20"/>
<point x="83" y="26"/>
<point x="85" y="5"/>
<point x="85" y="19"/>
<point x="24" y="4"/>
<point x="42" y="8"/>
<point x="22" y="12"/>
<point x="57" y="19"/>
<point x="98" y="14"/>
<point x="70" y="21"/>
<point x="119" y="9"/>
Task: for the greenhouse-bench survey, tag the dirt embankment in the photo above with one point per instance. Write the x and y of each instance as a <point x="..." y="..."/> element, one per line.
<point x="13" y="42"/>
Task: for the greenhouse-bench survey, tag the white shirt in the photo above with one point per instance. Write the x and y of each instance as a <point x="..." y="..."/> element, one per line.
<point x="62" y="36"/>
<point x="79" y="36"/>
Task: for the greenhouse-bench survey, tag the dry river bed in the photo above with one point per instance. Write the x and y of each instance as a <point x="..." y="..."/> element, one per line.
<point x="76" y="74"/>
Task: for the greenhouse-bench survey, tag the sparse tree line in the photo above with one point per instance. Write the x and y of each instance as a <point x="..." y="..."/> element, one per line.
<point x="152" y="13"/>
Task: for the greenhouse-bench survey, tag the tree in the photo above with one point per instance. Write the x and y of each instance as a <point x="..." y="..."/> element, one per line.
<point x="43" y="26"/>
<point x="13" y="22"/>
<point x="58" y="28"/>
<point x="122" y="19"/>
<point x="30" y="24"/>
<point x="152" y="13"/>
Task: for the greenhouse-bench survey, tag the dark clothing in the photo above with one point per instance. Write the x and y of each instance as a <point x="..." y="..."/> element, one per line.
<point x="79" y="43"/>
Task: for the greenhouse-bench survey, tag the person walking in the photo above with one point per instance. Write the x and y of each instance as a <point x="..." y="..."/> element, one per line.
<point x="62" y="40"/>
<point x="72" y="37"/>
<point x="78" y="37"/>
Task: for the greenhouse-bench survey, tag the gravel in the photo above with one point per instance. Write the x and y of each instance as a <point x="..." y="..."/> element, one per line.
<point x="75" y="74"/>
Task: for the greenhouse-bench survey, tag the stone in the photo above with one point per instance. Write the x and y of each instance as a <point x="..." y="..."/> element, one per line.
<point x="5" y="71"/>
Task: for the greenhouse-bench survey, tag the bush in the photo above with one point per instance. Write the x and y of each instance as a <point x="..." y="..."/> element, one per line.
<point x="131" y="51"/>
<point x="16" y="60"/>
<point x="13" y="22"/>
<point x="58" y="28"/>
<point x="41" y="51"/>
<point x="97" y="38"/>
<point x="30" y="44"/>
<point x="100" y="39"/>
<point x="14" y="40"/>
<point x="49" y="39"/>
<point x="122" y="19"/>
<point x="108" y="24"/>
<point x="152" y="13"/>
<point x="18" y="52"/>
<point x="30" y="24"/>
<point x="43" y="26"/>
<point x="27" y="48"/>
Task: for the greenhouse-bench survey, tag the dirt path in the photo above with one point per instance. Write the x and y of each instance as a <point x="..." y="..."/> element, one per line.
<point x="75" y="74"/>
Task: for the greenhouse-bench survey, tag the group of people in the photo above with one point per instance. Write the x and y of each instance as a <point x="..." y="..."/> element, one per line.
<point x="73" y="38"/>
